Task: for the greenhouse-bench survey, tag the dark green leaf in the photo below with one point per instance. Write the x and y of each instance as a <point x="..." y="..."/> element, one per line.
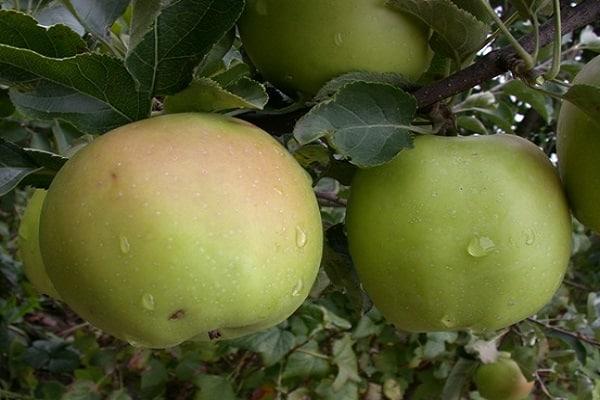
<point x="82" y="390"/>
<point x="471" y="124"/>
<point x="272" y="344"/>
<point x="339" y="82"/>
<point x="213" y="387"/>
<point x="305" y="362"/>
<point x="6" y="106"/>
<point x="366" y="122"/>
<point x="524" y="93"/>
<point x="326" y="391"/>
<point x="155" y="375"/>
<point x="345" y="359"/>
<point x="458" y="379"/>
<point x="457" y="33"/>
<point x="586" y="98"/>
<point x="22" y="32"/>
<point x="170" y="38"/>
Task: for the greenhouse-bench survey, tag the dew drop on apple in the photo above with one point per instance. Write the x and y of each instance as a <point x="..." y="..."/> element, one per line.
<point x="124" y="244"/>
<point x="529" y="237"/>
<point x="298" y="288"/>
<point x="338" y="39"/>
<point x="447" y="321"/>
<point x="480" y="246"/>
<point x="301" y="238"/>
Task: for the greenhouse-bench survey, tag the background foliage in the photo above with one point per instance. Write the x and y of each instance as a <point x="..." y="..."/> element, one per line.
<point x="102" y="68"/>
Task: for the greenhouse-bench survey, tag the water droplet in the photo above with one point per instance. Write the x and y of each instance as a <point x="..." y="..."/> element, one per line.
<point x="481" y="246"/>
<point x="148" y="301"/>
<point x="124" y="244"/>
<point x="338" y="39"/>
<point x="448" y="321"/>
<point x="298" y="288"/>
<point x="300" y="237"/>
<point x="529" y="235"/>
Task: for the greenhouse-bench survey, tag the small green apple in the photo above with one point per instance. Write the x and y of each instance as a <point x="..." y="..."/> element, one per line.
<point x="578" y="146"/>
<point x="502" y="380"/>
<point x="460" y="232"/>
<point x="29" y="246"/>
<point x="182" y="226"/>
<point x="299" y="45"/>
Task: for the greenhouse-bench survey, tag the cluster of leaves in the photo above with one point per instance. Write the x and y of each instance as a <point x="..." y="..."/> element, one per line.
<point x="330" y="349"/>
<point x="108" y="63"/>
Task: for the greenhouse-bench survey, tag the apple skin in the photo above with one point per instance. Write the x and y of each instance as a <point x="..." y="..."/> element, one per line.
<point x="182" y="226"/>
<point x="29" y="246"/>
<point x="578" y="146"/>
<point x="460" y="233"/>
<point x="299" y="45"/>
<point x="502" y="380"/>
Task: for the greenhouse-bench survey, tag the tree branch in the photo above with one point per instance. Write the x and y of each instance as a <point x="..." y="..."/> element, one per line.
<point x="491" y="65"/>
<point x="502" y="60"/>
<point x="575" y="335"/>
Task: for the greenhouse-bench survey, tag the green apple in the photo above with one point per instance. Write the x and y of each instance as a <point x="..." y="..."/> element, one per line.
<point x="29" y="246"/>
<point x="502" y="380"/>
<point x="299" y="45"/>
<point x="578" y="146"/>
<point x="460" y="233"/>
<point x="182" y="226"/>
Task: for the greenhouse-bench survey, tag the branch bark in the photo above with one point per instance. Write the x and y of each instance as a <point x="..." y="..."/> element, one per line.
<point x="500" y="61"/>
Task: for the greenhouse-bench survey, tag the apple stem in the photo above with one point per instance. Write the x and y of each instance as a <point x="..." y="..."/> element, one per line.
<point x="557" y="44"/>
<point x="525" y="56"/>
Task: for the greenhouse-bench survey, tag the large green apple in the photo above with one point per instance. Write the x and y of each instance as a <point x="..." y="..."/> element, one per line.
<point x="460" y="233"/>
<point x="29" y="246"/>
<point x="502" y="380"/>
<point x="182" y="226"/>
<point x="578" y="145"/>
<point x="299" y="45"/>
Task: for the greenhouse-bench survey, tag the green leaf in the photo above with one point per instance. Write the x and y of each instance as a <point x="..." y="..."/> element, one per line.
<point x="524" y="93"/>
<point x="170" y="38"/>
<point x="339" y="82"/>
<point x="307" y="361"/>
<point x="213" y="387"/>
<point x="365" y="122"/>
<point x="339" y="266"/>
<point x="82" y="390"/>
<point x="345" y="359"/>
<point x="459" y="377"/>
<point x="6" y="106"/>
<point x="213" y="61"/>
<point x="155" y="375"/>
<point x="207" y="95"/>
<point x="50" y="80"/>
<point x="326" y="391"/>
<point x="457" y="33"/>
<point x="15" y="165"/>
<point x="120" y="394"/>
<point x="586" y="98"/>
<point x="483" y="100"/>
<point x="22" y="31"/>
<point x="471" y="124"/>
<point x="97" y="16"/>
<point x="272" y="344"/>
